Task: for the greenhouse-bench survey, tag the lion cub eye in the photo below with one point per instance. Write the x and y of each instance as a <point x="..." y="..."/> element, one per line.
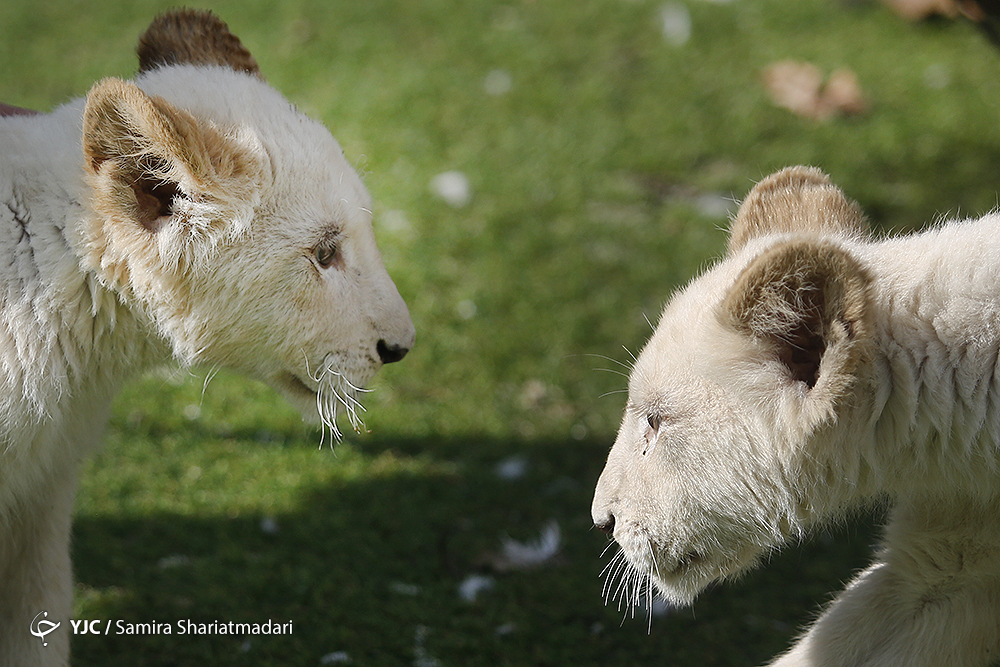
<point x="326" y="254"/>
<point x="652" y="431"/>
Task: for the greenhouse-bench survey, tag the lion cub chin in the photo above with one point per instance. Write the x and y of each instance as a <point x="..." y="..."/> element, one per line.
<point x="192" y="213"/>
<point x="813" y="370"/>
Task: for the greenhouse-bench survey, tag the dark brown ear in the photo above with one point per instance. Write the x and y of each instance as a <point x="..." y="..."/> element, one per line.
<point x="808" y="300"/>
<point x="796" y="199"/>
<point x="193" y="37"/>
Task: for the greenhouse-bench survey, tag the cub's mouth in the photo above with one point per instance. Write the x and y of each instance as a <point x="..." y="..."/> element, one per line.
<point x="294" y="385"/>
<point x="682" y="575"/>
<point x="300" y="395"/>
<point x="322" y="399"/>
<point x="685" y="563"/>
<point x="679" y="572"/>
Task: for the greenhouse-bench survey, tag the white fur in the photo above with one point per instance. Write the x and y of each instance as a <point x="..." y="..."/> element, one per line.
<point x="229" y="280"/>
<point x="745" y="457"/>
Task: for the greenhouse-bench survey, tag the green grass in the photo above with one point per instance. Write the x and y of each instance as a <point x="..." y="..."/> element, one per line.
<point x="586" y="177"/>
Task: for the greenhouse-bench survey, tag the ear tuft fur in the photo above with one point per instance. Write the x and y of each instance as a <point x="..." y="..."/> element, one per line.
<point x="165" y="186"/>
<point x="796" y="199"/>
<point x="193" y="37"/>
<point x="133" y="140"/>
<point x="809" y="300"/>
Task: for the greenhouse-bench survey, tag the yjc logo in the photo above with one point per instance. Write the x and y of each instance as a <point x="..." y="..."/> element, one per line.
<point x="82" y="627"/>
<point x="41" y="627"/>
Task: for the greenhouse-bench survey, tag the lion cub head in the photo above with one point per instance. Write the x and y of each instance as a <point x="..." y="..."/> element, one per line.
<point x="232" y="224"/>
<point x="734" y="402"/>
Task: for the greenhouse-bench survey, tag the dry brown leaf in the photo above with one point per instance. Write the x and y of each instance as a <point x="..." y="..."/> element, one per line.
<point x="915" y="10"/>
<point x="795" y="86"/>
<point x="843" y="95"/>
<point x="798" y="87"/>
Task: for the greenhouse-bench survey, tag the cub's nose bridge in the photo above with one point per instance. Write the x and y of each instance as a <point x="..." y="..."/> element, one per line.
<point x="603" y="509"/>
<point x="392" y="321"/>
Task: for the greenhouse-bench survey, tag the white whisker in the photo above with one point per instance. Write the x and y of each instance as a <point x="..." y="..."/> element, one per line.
<point x="649" y="588"/>
<point x="613" y="392"/>
<point x="208" y="378"/>
<point x="334" y="392"/>
<point x="609" y="575"/>
<point x="629" y="587"/>
<point x="605" y="357"/>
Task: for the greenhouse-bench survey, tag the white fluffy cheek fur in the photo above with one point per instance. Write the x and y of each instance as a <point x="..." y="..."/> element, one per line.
<point x="687" y="514"/>
<point x="312" y="344"/>
<point x="645" y="563"/>
<point x="683" y="555"/>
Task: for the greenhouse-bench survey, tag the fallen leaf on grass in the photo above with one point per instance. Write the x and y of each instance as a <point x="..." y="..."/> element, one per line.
<point x="916" y="10"/>
<point x="421" y="658"/>
<point x="974" y="12"/>
<point x="453" y="187"/>
<point x="404" y="588"/>
<point x="512" y="468"/>
<point x="843" y="93"/>
<point x="798" y="87"/>
<point x="473" y="585"/>
<point x="516" y="555"/>
<point x="675" y="21"/>
<point x="169" y="562"/>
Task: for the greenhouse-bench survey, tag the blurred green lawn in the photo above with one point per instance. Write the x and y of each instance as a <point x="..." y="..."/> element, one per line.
<point x="601" y="158"/>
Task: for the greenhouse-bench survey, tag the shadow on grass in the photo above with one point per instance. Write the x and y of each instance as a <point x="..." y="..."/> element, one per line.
<point x="369" y="571"/>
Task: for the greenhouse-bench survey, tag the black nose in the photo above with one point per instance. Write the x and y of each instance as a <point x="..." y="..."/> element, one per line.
<point x="606" y="525"/>
<point x="390" y="353"/>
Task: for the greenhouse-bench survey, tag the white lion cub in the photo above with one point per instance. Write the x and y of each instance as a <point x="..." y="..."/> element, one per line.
<point x="192" y="213"/>
<point x="812" y="370"/>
